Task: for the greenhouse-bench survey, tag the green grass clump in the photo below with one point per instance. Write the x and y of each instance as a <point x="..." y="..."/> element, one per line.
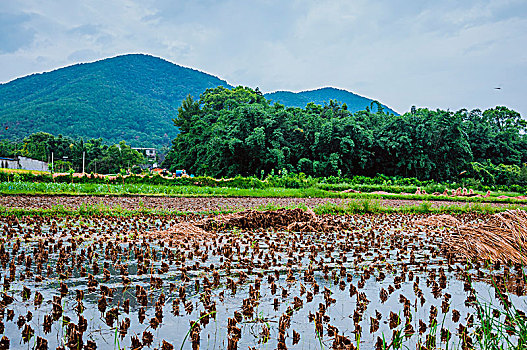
<point x="500" y="327"/>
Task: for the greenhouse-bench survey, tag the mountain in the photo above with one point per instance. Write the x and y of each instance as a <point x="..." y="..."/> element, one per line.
<point x="131" y="97"/>
<point x="323" y="96"/>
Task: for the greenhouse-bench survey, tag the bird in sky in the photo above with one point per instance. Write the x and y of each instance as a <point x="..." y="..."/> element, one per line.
<point x="497" y="88"/>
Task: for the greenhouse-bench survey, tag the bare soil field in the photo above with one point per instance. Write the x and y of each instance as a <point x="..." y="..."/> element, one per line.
<point x="191" y="204"/>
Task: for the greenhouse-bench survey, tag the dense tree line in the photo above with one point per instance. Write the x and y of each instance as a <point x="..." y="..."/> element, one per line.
<point x="238" y="132"/>
<point x="68" y="153"/>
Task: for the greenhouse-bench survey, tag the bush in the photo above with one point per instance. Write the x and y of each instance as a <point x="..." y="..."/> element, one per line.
<point x="25" y="177"/>
<point x="290" y="181"/>
<point x="296" y="181"/>
<point x="136" y="170"/>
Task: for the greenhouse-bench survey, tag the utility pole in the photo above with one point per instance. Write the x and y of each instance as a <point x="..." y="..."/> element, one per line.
<point x="52" y="162"/>
<point x="83" y="160"/>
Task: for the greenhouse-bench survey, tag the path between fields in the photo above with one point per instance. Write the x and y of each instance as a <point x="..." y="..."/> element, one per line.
<point x="192" y="204"/>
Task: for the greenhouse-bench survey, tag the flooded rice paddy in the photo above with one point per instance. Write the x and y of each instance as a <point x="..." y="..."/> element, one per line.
<point x="115" y="283"/>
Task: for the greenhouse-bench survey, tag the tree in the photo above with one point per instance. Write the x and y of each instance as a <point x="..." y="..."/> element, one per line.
<point x="237" y="132"/>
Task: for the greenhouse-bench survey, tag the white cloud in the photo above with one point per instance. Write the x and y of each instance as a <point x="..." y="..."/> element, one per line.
<point x="446" y="54"/>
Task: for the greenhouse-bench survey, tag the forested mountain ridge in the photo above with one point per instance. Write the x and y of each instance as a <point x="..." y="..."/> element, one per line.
<point x="131" y="97"/>
<point x="322" y="96"/>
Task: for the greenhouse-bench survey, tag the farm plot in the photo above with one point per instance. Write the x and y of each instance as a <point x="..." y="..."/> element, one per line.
<point x="286" y="280"/>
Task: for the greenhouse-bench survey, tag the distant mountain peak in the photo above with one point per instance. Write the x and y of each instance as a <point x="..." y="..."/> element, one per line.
<point x="131" y="97"/>
<point x="322" y="96"/>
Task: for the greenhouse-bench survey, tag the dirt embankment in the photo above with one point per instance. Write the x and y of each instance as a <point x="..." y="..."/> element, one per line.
<point x="187" y="203"/>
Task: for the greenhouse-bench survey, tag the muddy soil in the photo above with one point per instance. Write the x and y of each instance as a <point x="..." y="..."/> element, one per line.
<point x="193" y="204"/>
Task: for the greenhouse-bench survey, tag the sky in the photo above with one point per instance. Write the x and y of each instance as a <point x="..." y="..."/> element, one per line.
<point x="436" y="54"/>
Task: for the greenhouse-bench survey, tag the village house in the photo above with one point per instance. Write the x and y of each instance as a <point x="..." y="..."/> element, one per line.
<point x="25" y="163"/>
<point x="150" y="153"/>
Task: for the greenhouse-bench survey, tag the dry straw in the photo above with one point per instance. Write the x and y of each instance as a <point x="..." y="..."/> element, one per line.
<point x="500" y="238"/>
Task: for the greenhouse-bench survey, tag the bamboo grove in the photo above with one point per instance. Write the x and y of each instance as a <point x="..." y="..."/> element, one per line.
<point x="239" y="132"/>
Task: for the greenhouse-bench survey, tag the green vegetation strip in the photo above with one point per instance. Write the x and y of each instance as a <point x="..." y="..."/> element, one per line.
<point x="79" y="189"/>
<point x="157" y="190"/>
<point x="362" y="206"/>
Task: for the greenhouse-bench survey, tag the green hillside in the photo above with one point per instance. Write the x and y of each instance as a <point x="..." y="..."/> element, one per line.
<point x="131" y="98"/>
<point x="323" y="96"/>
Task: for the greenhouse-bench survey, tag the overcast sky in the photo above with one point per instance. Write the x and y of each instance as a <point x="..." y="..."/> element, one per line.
<point x="428" y="53"/>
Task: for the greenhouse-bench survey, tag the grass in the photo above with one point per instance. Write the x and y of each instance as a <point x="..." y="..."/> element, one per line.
<point x="30" y="188"/>
<point x="375" y="206"/>
<point x="496" y="328"/>
<point x="22" y="171"/>
<point x="361" y="206"/>
<point x="155" y="190"/>
<point x="97" y="210"/>
<point x="500" y="327"/>
<point x="430" y="188"/>
<point x="491" y="199"/>
<point x="193" y="325"/>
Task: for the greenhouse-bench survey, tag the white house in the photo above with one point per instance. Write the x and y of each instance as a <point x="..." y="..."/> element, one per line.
<point x="150" y="153"/>
<point x="24" y="163"/>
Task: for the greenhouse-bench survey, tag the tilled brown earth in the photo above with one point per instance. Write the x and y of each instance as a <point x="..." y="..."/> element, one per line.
<point x="192" y="204"/>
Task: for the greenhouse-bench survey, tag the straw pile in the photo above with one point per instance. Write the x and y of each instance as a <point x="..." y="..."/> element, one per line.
<point x="501" y="238"/>
<point x="296" y="220"/>
<point x="253" y="219"/>
<point x="293" y="220"/>
<point x="180" y="230"/>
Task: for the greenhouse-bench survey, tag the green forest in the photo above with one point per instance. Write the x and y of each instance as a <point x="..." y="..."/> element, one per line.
<point x="68" y="153"/>
<point x="229" y="132"/>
